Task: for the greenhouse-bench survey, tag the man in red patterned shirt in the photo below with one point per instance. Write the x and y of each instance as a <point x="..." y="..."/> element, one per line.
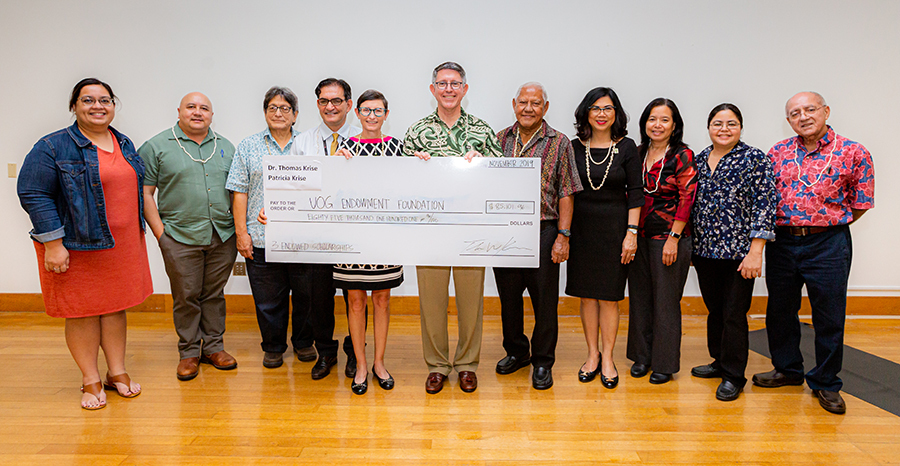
<point x="824" y="182"/>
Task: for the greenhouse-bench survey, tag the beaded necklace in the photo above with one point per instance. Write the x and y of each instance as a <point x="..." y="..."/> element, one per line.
<point x="647" y="173"/>
<point x="825" y="167"/>
<point x="215" y="145"/>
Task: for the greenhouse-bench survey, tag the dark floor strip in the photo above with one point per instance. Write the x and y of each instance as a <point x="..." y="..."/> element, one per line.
<point x="866" y="376"/>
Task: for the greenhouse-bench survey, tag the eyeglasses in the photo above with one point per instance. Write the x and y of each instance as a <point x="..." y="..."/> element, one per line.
<point x="88" y="101"/>
<point x="797" y="114"/>
<point x="285" y="109"/>
<point x="719" y="124"/>
<point x="335" y="101"/>
<point x="377" y="111"/>
<point x="607" y="110"/>
<point x="455" y="85"/>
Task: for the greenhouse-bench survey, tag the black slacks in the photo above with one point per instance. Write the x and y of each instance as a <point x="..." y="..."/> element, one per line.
<point x="654" y="305"/>
<point x="727" y="297"/>
<point x="542" y="284"/>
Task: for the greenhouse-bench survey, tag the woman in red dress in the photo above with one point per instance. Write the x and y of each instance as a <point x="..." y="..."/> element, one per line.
<point x="81" y="187"/>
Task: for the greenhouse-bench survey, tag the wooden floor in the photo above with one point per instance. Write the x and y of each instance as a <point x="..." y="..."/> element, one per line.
<point x="260" y="416"/>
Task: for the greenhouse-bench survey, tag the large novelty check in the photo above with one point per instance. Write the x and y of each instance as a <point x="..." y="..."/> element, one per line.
<point x="402" y="210"/>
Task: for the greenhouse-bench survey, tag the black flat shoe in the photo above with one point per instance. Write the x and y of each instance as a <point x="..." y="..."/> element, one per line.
<point x="658" y="378"/>
<point x="728" y="391"/>
<point x="360" y="388"/>
<point x="588" y="376"/>
<point x="607" y="382"/>
<point x="639" y="370"/>
<point x="350" y="367"/>
<point x="385" y="384"/>
<point x="510" y="364"/>
<point x="542" y="378"/>
<point x="707" y="371"/>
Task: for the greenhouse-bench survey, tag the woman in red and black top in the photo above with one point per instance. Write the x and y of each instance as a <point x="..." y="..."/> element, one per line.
<point x="656" y="277"/>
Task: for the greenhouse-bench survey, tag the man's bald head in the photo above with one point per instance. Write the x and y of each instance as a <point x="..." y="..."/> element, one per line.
<point x="195" y="115"/>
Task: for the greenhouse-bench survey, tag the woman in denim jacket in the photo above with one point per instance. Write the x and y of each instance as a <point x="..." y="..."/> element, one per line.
<point x="81" y="187"/>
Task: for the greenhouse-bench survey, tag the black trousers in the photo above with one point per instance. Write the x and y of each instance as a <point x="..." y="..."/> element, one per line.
<point x="273" y="284"/>
<point x="822" y="263"/>
<point x="727" y="297"/>
<point x="324" y="293"/>
<point x="654" y="305"/>
<point x="542" y="284"/>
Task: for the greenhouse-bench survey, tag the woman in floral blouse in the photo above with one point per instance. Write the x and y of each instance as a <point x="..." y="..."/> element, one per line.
<point x="733" y="216"/>
<point x="656" y="277"/>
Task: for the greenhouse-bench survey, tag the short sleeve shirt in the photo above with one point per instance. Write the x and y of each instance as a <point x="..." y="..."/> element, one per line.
<point x="559" y="177"/>
<point x="190" y="179"/>
<point x="431" y="135"/>
<point x="822" y="187"/>
<point x="246" y="176"/>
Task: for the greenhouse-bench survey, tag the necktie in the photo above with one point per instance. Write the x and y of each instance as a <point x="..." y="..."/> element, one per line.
<point x="334" y="144"/>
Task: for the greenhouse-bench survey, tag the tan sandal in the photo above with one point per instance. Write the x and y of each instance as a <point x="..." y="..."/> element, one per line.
<point x="124" y="379"/>
<point x="93" y="389"/>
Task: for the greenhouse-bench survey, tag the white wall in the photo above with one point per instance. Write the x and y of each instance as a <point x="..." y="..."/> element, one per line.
<point x="698" y="53"/>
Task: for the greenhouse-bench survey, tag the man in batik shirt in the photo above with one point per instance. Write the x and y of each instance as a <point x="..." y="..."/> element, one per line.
<point x="450" y="132"/>
<point x="824" y="183"/>
<point x="531" y="136"/>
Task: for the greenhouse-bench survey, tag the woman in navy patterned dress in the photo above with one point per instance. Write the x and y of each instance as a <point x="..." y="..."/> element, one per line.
<point x="733" y="216"/>
<point x="372" y="110"/>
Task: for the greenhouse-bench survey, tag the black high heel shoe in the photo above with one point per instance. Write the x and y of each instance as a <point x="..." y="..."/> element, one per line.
<point x="587" y="376"/>
<point x="610" y="383"/>
<point x="385" y="384"/>
<point x="360" y="388"/>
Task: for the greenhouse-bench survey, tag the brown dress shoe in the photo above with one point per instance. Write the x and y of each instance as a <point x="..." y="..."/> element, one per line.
<point x="188" y="368"/>
<point x="435" y="382"/>
<point x="833" y="402"/>
<point x="467" y="381"/>
<point x="220" y="360"/>
<point x="307" y="354"/>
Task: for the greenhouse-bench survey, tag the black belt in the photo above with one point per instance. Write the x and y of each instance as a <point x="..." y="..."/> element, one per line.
<point x="802" y="231"/>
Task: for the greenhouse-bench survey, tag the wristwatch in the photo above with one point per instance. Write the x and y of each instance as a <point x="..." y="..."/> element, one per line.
<point x="675" y="235"/>
<point x="565" y="232"/>
<point x="632" y="229"/>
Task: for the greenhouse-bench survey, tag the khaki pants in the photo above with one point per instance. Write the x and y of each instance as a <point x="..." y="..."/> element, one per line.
<point x="434" y="299"/>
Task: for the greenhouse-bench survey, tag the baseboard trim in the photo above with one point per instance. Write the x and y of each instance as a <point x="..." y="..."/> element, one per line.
<point x="409" y="305"/>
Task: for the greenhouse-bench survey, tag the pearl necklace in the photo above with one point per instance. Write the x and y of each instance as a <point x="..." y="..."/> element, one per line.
<point x="215" y="145"/>
<point x="822" y="171"/>
<point x="646" y="173"/>
<point x="588" y="160"/>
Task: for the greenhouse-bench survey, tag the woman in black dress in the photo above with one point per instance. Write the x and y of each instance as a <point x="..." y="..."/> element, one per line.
<point x="604" y="225"/>
<point x="358" y="279"/>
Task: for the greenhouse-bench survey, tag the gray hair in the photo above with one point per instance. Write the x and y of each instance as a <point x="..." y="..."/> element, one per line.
<point x="532" y="84"/>
<point x="814" y="93"/>
<point x="449" y="65"/>
<point x="285" y="93"/>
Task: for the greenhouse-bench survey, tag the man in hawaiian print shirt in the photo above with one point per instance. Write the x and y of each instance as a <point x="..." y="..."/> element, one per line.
<point x="450" y="132"/>
<point x="824" y="183"/>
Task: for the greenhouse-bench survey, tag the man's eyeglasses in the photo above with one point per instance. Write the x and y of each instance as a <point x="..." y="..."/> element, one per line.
<point x="607" y="110"/>
<point x="455" y="85"/>
<point x="811" y="110"/>
<point x="88" y="101"/>
<point x="285" y="109"/>
<point x="335" y="101"/>
<point x="377" y="111"/>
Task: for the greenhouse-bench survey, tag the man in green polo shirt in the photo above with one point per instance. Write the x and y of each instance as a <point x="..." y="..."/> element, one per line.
<point x="192" y="222"/>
